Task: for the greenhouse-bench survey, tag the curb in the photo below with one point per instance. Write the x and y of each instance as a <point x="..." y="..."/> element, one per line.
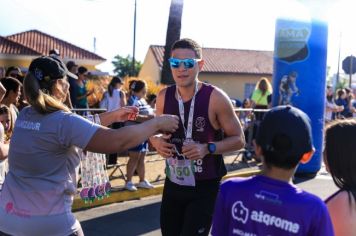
<point x="124" y="195"/>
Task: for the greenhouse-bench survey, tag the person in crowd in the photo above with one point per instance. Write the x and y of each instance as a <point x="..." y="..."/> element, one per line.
<point x="15" y="72"/>
<point x="194" y="161"/>
<point x="38" y="191"/>
<point x="259" y="96"/>
<point x="73" y="68"/>
<point x="340" y="161"/>
<point x="54" y="53"/>
<point x="138" y="90"/>
<point x="13" y="93"/>
<point x="81" y="90"/>
<point x="112" y="100"/>
<point x="245" y="116"/>
<point x="257" y="205"/>
<point x="330" y="106"/>
<point x="151" y="100"/>
<point x="4" y="144"/>
<point x="262" y="90"/>
<point x="341" y="100"/>
<point x="349" y="99"/>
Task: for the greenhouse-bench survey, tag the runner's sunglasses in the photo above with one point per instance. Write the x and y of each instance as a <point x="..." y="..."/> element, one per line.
<point x="188" y="63"/>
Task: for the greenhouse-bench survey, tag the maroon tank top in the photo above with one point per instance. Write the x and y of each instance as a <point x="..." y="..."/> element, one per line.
<point x="211" y="166"/>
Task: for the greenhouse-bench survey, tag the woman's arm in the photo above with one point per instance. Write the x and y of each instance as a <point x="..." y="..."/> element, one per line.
<point x="119" y="115"/>
<point x="110" y="141"/>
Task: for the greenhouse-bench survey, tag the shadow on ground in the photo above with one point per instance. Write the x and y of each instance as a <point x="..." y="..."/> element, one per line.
<point x="124" y="223"/>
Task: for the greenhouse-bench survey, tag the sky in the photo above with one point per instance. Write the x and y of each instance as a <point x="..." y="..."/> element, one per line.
<point x="238" y="24"/>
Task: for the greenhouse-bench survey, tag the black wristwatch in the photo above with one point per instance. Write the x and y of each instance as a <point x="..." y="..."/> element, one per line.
<point x="211" y="147"/>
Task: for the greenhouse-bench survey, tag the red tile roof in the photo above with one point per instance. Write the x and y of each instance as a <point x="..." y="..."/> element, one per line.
<point x="219" y="60"/>
<point x="43" y="43"/>
<point x="9" y="47"/>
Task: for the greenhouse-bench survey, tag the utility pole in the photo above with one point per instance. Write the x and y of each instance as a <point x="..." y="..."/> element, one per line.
<point x="134" y="43"/>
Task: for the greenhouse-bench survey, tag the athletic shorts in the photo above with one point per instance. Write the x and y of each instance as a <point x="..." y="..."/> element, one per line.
<point x="186" y="210"/>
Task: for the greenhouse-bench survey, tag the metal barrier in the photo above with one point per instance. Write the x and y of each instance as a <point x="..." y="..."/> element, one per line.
<point x="250" y="125"/>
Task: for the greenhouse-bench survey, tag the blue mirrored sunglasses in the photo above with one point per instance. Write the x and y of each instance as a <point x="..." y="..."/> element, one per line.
<point x="188" y="63"/>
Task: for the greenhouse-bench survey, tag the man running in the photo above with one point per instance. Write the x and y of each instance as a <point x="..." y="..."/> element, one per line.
<point x="208" y="128"/>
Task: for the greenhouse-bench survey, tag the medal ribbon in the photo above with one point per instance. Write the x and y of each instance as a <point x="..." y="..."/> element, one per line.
<point x="188" y="132"/>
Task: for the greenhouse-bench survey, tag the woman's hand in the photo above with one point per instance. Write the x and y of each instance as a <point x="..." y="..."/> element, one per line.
<point x="124" y="113"/>
<point x="167" y="123"/>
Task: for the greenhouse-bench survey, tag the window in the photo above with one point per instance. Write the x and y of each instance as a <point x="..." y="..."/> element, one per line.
<point x="249" y="90"/>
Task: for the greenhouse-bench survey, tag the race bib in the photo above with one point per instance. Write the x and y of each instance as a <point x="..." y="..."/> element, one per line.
<point x="180" y="171"/>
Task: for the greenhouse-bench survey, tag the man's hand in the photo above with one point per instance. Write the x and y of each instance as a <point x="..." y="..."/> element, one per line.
<point x="161" y="144"/>
<point x="194" y="151"/>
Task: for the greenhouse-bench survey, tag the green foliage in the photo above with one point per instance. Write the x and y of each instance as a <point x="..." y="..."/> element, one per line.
<point x="123" y="66"/>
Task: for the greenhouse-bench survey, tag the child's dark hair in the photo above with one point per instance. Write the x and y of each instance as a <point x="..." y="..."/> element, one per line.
<point x="151" y="97"/>
<point x="115" y="80"/>
<point x="136" y="85"/>
<point x="340" y="154"/>
<point x="188" y="44"/>
<point x="10" y="84"/>
<point x="278" y="158"/>
<point x="340" y="92"/>
<point x="4" y="110"/>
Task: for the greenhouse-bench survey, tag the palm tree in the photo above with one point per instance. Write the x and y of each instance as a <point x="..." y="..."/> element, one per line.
<point x="173" y="34"/>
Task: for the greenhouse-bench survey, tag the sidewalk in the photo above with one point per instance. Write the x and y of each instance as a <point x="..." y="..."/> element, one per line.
<point x="155" y="165"/>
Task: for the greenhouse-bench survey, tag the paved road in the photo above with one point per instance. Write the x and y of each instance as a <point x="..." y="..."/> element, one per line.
<point x="141" y="217"/>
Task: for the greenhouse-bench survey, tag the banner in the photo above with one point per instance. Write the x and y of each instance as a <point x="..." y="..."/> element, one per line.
<point x="299" y="75"/>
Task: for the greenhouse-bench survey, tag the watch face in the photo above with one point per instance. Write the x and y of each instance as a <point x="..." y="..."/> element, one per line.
<point x="211" y="147"/>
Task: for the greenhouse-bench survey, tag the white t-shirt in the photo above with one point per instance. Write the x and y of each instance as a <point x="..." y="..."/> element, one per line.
<point x="42" y="159"/>
<point x="330" y="106"/>
<point x="113" y="102"/>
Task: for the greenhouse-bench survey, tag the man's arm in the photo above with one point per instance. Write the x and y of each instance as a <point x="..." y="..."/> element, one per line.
<point x="228" y="122"/>
<point x="159" y="142"/>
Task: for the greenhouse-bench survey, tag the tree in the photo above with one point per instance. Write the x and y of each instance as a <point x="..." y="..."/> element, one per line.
<point x="173" y="34"/>
<point x="123" y="66"/>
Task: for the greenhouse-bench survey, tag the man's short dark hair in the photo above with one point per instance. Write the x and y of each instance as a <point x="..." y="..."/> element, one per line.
<point x="188" y="44"/>
<point x="82" y="70"/>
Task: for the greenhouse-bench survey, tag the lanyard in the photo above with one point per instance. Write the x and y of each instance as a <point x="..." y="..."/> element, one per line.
<point x="189" y="130"/>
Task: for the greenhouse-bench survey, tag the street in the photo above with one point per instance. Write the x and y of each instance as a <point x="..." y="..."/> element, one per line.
<point x="141" y="217"/>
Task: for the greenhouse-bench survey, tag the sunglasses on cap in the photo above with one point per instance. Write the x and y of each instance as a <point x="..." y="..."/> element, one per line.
<point x="188" y="63"/>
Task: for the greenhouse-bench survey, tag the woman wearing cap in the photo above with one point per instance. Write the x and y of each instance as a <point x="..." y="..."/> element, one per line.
<point x="38" y="191"/>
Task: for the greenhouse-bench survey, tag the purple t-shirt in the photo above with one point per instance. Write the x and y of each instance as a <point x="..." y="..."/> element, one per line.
<point x="263" y="206"/>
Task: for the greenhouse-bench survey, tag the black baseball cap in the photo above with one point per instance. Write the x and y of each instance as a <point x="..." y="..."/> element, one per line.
<point x="288" y="122"/>
<point x="49" y="68"/>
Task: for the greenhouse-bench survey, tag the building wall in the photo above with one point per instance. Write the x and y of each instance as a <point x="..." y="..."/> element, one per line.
<point x="14" y="62"/>
<point x="232" y="84"/>
<point x="150" y="69"/>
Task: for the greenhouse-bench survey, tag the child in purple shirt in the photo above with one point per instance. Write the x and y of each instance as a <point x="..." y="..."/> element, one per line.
<point x="269" y="204"/>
